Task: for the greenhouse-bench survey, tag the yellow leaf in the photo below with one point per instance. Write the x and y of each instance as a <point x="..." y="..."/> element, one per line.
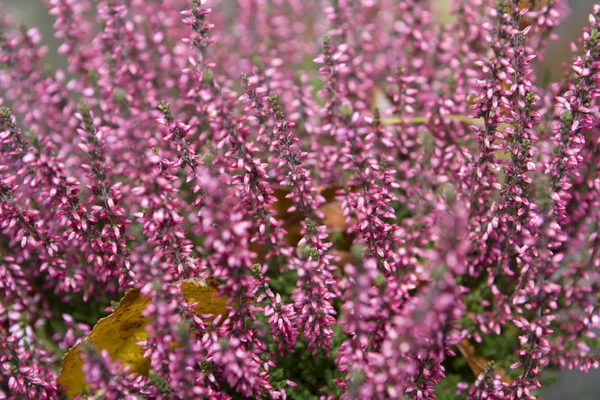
<point x="71" y="376"/>
<point x="120" y="332"/>
<point x="203" y="292"/>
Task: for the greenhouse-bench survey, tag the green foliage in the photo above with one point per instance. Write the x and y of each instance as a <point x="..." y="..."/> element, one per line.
<point x="446" y="389"/>
<point x="502" y="350"/>
<point x="283" y="283"/>
<point x="317" y="85"/>
<point x="401" y="211"/>
<point x="314" y="375"/>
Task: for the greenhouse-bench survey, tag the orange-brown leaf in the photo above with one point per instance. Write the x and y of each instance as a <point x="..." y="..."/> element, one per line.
<point x="478" y="363"/>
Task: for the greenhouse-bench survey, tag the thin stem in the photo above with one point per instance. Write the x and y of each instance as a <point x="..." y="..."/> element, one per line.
<point x="421" y="120"/>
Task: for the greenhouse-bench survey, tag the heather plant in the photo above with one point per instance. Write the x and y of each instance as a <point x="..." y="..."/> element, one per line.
<point x="394" y="207"/>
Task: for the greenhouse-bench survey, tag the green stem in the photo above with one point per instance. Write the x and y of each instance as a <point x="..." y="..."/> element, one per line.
<point x="423" y="120"/>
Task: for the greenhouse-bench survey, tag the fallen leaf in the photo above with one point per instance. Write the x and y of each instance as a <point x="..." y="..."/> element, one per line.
<point x="532" y="6"/>
<point x="381" y="100"/>
<point x="333" y="219"/>
<point x="478" y="363"/>
<point x="203" y="292"/>
<point x="120" y="332"/>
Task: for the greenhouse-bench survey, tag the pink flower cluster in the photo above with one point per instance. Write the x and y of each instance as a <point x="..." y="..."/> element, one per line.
<point x="470" y="192"/>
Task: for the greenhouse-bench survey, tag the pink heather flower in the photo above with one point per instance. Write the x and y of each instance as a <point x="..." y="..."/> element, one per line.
<point x="202" y="139"/>
<point x="313" y="298"/>
<point x="487" y="386"/>
<point x="102" y="374"/>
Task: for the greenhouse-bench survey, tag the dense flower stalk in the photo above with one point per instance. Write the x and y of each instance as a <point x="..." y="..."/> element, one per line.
<point x="316" y="288"/>
<point x="365" y="186"/>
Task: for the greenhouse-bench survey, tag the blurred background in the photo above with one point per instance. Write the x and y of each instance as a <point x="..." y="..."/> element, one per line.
<point x="569" y="384"/>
